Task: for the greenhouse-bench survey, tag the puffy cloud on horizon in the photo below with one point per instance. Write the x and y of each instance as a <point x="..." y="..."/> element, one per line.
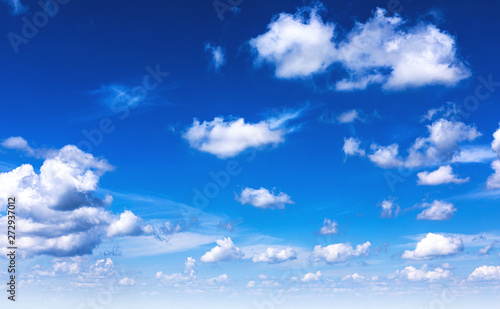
<point x="383" y="50"/>
<point x="435" y="246"/>
<point x="224" y="251"/>
<point x="275" y="255"/>
<point x="338" y="253"/>
<point x="262" y="198"/>
<point x="437" y="210"/>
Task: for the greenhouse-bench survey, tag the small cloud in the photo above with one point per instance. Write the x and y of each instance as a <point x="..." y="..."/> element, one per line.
<point x="309" y="277"/>
<point x="442" y="175"/>
<point x="224" y="251"/>
<point x="435" y="246"/>
<point x="329" y="227"/>
<point x="262" y="198"/>
<point x="275" y="255"/>
<point x="217" y="56"/>
<point x="437" y="210"/>
<point x="127" y="282"/>
<point x="389" y="209"/>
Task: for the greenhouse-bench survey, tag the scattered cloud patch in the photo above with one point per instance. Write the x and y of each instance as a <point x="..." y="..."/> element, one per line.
<point x="329" y="227"/>
<point x="485" y="273"/>
<point x="126" y="282"/>
<point x="310" y="277"/>
<point x="262" y="198"/>
<point x="217" y="55"/>
<point x="412" y="274"/>
<point x="389" y="209"/>
<point x="352" y="147"/>
<point x="437" y="210"/>
<point x="385" y="156"/>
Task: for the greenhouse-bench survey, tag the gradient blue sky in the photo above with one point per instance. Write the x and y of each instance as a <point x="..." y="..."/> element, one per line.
<point x="281" y="154"/>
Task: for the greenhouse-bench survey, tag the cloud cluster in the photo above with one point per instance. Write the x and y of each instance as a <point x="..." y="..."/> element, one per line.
<point x="262" y="198"/>
<point x="383" y="50"/>
<point x="435" y="246"/>
<point x="60" y="213"/>
<point x="338" y="253"/>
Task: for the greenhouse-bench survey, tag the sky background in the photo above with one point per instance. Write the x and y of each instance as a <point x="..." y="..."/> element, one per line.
<point x="251" y="154"/>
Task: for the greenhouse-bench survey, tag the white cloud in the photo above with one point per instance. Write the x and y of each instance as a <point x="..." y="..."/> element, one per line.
<point x="296" y="45"/>
<point x="126" y="282"/>
<point x="474" y="154"/>
<point x="173" y="278"/>
<point x="442" y="145"/>
<point x="217" y="55"/>
<point x="190" y="266"/>
<point x="128" y="225"/>
<point x="384" y="50"/>
<point x="442" y="175"/>
<point x="493" y="181"/>
<point x="385" y="156"/>
<point x="434" y="246"/>
<point x="262" y="198"/>
<point x="227" y="139"/>
<point x="338" y="253"/>
<point x="389" y="209"/>
<point x="251" y="284"/>
<point x="329" y="227"/>
<point x="219" y="279"/>
<point x="486" y="250"/>
<point x="16" y="6"/>
<point x="352" y="147"/>
<point x="413" y="274"/>
<point x="354" y="277"/>
<point x="437" y="210"/>
<point x="485" y="273"/>
<point x="348" y="116"/>
<point x="311" y="277"/>
<point x="18" y="143"/>
<point x="224" y="251"/>
<point x="275" y="255"/>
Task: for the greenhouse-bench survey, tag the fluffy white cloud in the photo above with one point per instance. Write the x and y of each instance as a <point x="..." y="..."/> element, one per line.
<point x="219" y="279"/>
<point x="224" y="251"/>
<point x="385" y="156"/>
<point x="262" y="198"/>
<point x="352" y="147"/>
<point x="442" y="144"/>
<point x="229" y="138"/>
<point x="126" y="282"/>
<point x="251" y="284"/>
<point x="128" y="225"/>
<point x="389" y="209"/>
<point x="434" y="246"/>
<point x="296" y="45"/>
<point x="329" y="227"/>
<point x="18" y="143"/>
<point x="217" y="55"/>
<point x="485" y="273"/>
<point x="190" y="266"/>
<point x="413" y="274"/>
<point x="437" y="210"/>
<point x="338" y="253"/>
<point x="384" y="50"/>
<point x="311" y="277"/>
<point x="442" y="175"/>
<point x="474" y="154"/>
<point x="275" y="255"/>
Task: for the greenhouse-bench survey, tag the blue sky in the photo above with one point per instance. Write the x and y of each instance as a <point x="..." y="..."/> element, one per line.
<point x="252" y="154"/>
